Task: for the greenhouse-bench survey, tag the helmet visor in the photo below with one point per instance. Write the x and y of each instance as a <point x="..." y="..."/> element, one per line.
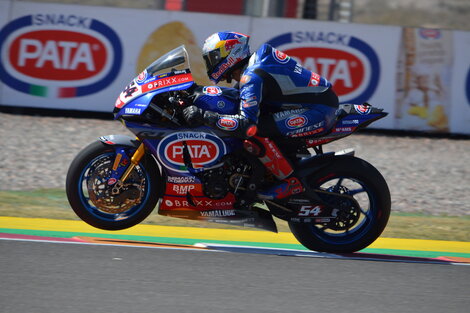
<point x="212" y="59"/>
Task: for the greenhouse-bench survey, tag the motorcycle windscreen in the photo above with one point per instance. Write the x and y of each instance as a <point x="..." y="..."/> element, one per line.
<point x="170" y="72"/>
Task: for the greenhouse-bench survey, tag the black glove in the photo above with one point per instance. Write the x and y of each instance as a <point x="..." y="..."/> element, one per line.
<point x="193" y="116"/>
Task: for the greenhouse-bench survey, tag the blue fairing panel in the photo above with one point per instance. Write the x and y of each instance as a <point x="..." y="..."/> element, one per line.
<point x="138" y="105"/>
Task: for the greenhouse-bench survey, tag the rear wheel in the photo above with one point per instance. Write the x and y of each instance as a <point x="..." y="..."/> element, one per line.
<point x="111" y="206"/>
<point x="361" y="213"/>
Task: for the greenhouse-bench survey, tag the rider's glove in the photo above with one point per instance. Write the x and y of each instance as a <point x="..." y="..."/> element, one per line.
<point x="193" y="116"/>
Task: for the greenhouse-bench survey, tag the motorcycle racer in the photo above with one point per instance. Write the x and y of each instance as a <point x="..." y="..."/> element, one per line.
<point x="278" y="98"/>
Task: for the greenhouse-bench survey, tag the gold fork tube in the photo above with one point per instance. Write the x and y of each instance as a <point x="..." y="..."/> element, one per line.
<point x="138" y="154"/>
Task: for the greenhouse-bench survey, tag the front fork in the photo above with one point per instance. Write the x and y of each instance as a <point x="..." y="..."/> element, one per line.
<point x="123" y="166"/>
<point x="135" y="159"/>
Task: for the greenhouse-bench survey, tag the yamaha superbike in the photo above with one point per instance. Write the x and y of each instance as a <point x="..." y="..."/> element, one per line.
<point x="206" y="174"/>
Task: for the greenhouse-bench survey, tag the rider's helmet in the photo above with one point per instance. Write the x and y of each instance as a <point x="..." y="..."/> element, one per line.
<point x="223" y="52"/>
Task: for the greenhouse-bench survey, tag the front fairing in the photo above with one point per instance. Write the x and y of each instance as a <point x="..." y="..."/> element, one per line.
<point x="170" y="72"/>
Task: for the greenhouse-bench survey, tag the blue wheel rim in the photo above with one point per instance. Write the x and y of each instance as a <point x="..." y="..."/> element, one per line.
<point x="104" y="216"/>
<point x="361" y="228"/>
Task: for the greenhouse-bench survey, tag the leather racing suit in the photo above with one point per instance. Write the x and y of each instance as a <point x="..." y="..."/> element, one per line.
<point x="284" y="100"/>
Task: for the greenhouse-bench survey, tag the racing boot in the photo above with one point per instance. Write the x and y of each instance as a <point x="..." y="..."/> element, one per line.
<point x="274" y="161"/>
<point x="286" y="188"/>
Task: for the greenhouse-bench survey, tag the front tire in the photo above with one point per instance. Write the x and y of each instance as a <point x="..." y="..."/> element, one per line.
<point x="358" y="225"/>
<point x="94" y="200"/>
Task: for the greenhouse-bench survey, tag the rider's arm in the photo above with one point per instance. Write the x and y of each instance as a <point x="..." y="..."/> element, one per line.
<point x="240" y="124"/>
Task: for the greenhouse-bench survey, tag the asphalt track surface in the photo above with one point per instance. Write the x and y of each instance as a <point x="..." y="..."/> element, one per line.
<point x="55" y="277"/>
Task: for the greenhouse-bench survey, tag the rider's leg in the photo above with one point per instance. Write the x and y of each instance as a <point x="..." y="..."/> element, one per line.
<point x="297" y="123"/>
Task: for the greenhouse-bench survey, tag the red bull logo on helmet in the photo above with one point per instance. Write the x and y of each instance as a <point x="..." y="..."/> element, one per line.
<point x="59" y="55"/>
<point x="348" y="62"/>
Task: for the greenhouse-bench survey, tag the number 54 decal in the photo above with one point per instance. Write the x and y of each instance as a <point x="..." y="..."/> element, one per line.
<point x="308" y="210"/>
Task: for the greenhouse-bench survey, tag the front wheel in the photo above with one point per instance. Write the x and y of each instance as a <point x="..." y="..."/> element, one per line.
<point x="108" y="206"/>
<point x="362" y="213"/>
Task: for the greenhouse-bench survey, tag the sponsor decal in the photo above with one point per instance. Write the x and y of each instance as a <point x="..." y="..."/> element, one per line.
<point x="317" y="142"/>
<point x="133" y="111"/>
<point x="245" y="79"/>
<point x="181" y="179"/>
<point x="349" y="122"/>
<point x="182" y="189"/>
<point x="344" y="129"/>
<point x="362" y="109"/>
<point x="314" y="80"/>
<point x="296" y="121"/>
<point x="204" y="149"/>
<point x="220" y="104"/>
<point x="298" y="69"/>
<point x="218" y="213"/>
<point x="227" y="123"/>
<point x="306" y="132"/>
<point x="283" y="114"/>
<point x="142" y="77"/>
<point x="163" y="82"/>
<point x="280" y="56"/>
<point x="428" y="33"/>
<point x="249" y="104"/>
<point x="212" y="90"/>
<point x="225" y="66"/>
<point x="59" y="55"/>
<point x="348" y="62"/>
<point x="174" y="202"/>
<point x="230" y="43"/>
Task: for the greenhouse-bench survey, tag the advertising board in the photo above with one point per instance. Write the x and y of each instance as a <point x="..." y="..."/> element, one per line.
<point x="424" y="78"/>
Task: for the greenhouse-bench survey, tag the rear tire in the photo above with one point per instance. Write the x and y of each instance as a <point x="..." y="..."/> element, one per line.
<point x="350" y="176"/>
<point x="90" y="197"/>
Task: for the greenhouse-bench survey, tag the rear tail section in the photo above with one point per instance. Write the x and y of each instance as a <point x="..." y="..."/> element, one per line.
<point x="349" y="118"/>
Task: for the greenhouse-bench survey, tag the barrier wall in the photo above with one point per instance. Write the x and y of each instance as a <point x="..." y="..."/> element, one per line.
<point x="79" y="58"/>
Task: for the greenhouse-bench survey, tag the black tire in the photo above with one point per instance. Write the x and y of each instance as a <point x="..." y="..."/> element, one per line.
<point x="370" y="222"/>
<point x="100" y="157"/>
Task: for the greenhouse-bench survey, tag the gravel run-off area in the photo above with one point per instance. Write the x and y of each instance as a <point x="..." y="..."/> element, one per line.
<point x="424" y="174"/>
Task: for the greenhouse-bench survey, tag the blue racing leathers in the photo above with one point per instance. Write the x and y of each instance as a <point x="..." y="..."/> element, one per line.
<point x="282" y="97"/>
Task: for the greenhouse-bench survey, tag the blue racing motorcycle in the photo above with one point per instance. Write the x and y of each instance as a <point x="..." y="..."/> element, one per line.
<point x="206" y="174"/>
